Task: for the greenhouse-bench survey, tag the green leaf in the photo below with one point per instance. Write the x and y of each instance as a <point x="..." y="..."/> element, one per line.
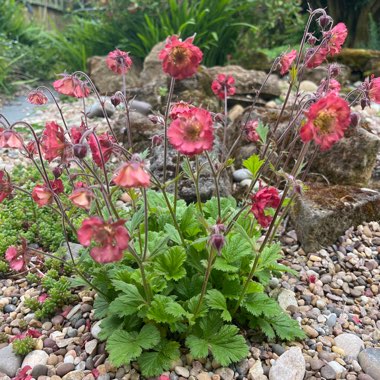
<point x="170" y="263"/>
<point x="222" y="265"/>
<point x="101" y="307"/>
<point x="189" y="222"/>
<point x="262" y="131"/>
<point x="160" y="360"/>
<point x="269" y="255"/>
<point x="129" y="302"/>
<point x="124" y="346"/>
<point x="253" y="164"/>
<point x="227" y="345"/>
<point x="173" y="233"/>
<point x="108" y="325"/>
<point x="260" y="303"/>
<point x="235" y="249"/>
<point x="164" y="309"/>
<point x="216" y="301"/>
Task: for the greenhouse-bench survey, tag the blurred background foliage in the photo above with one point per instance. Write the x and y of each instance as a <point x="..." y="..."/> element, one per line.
<point x="37" y="42"/>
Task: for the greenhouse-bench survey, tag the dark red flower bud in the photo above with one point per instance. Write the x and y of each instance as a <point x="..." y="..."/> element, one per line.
<point x="324" y="21"/>
<point x="115" y="100"/>
<point x="311" y="40"/>
<point x="355" y="118"/>
<point x="57" y="172"/>
<point x="334" y="71"/>
<point x="80" y="151"/>
<point x="157" y="140"/>
<point x="217" y="241"/>
<point x="364" y="103"/>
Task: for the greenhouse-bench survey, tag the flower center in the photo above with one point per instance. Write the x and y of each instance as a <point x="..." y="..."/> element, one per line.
<point x="192" y="130"/>
<point x="324" y="122"/>
<point x="178" y="55"/>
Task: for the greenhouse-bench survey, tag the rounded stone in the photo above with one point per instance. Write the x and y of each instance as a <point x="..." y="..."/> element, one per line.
<point x="64" y="368"/>
<point x="39" y="370"/>
<point x="34" y="358"/>
<point x="350" y="343"/>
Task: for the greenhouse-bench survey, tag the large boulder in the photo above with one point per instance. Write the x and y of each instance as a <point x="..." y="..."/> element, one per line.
<point x="106" y="81"/>
<point x="318" y="73"/>
<point x="323" y="213"/>
<point x="351" y="160"/>
<point x="364" y="61"/>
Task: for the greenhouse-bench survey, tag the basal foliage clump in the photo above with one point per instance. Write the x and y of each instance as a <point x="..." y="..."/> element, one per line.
<point x="173" y="276"/>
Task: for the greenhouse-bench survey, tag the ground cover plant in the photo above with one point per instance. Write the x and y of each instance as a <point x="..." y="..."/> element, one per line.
<point x="172" y="276"/>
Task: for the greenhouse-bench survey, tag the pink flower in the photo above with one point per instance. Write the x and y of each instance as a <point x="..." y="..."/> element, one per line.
<point x="106" y="142"/>
<point x="250" y="130"/>
<point x="178" y="108"/>
<point x="315" y="57"/>
<point x="31" y="148"/>
<point x="10" y="139"/>
<point x="266" y="197"/>
<point x="223" y="86"/>
<point x="118" y="61"/>
<point x="43" y="195"/>
<point x="53" y="141"/>
<point x="335" y="38"/>
<point x="132" y="174"/>
<point x="42" y="298"/>
<point x="72" y="86"/>
<point x="82" y="196"/>
<point x="5" y="185"/>
<point x="286" y="61"/>
<point x="374" y="89"/>
<point x="180" y="59"/>
<point x="333" y="86"/>
<point x="37" y="97"/>
<point x="327" y="119"/>
<point x="23" y="374"/>
<point x="111" y="239"/>
<point x="77" y="132"/>
<point x="192" y="132"/>
<point x="17" y="256"/>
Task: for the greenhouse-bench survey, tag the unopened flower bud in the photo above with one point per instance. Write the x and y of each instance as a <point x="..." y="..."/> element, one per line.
<point x="57" y="172"/>
<point x="219" y="118"/>
<point x="355" y="118"/>
<point x="157" y="140"/>
<point x="115" y="100"/>
<point x="311" y="40"/>
<point x="334" y="71"/>
<point x="217" y="241"/>
<point x="324" y="21"/>
<point x="364" y="103"/>
<point x="80" y="151"/>
<point x="154" y="119"/>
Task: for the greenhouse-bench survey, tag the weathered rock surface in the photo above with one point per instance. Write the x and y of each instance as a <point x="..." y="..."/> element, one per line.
<point x="9" y="361"/>
<point x="351" y="160"/>
<point x="323" y="213"/>
<point x="289" y="366"/>
<point x="369" y="360"/>
<point x="350" y="343"/>
<point x="106" y="81"/>
<point x="34" y="358"/>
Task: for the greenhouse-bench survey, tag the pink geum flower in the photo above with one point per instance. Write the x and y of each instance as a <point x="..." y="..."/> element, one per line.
<point x="43" y="195"/>
<point x="315" y="57"/>
<point x="23" y="374"/>
<point x="17" y="256"/>
<point x="327" y="86"/>
<point x="180" y="59"/>
<point x="223" y="86"/>
<point x="335" y="38"/>
<point x="266" y="197"/>
<point x="178" y="108"/>
<point x="327" y="119"/>
<point x="72" y="86"/>
<point x="82" y="196"/>
<point x="110" y="239"/>
<point x="286" y="61"/>
<point x="106" y="142"/>
<point x="10" y="139"/>
<point x="5" y="185"/>
<point x="132" y="174"/>
<point x="76" y="133"/>
<point x="192" y="132"/>
<point x="374" y="89"/>
<point x="53" y="141"/>
<point x="37" y="97"/>
<point x="119" y="61"/>
<point x="31" y="148"/>
<point x="250" y="131"/>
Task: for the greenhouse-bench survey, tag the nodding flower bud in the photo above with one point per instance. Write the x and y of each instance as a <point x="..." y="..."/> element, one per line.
<point x="324" y="21"/>
<point x="364" y="103"/>
<point x="80" y="150"/>
<point x="217" y="241"/>
<point x="334" y="71"/>
<point x="355" y="118"/>
<point x="156" y="119"/>
<point x="219" y="118"/>
<point x="115" y="100"/>
<point x="157" y="140"/>
<point x="57" y="172"/>
<point x="311" y="39"/>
